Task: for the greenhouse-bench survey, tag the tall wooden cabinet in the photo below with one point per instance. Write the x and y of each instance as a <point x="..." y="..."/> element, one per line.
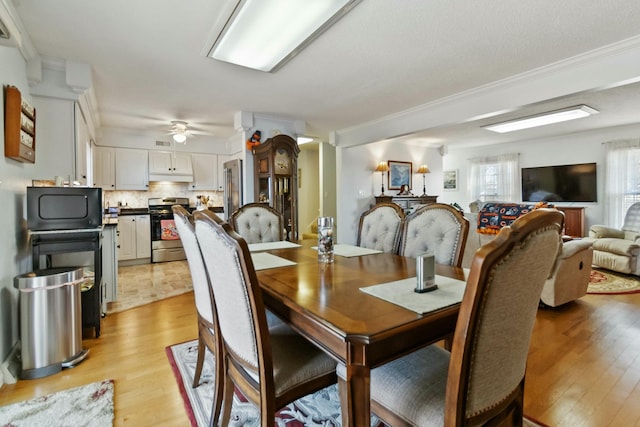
<point x="276" y="178"/>
<point x="19" y="127"/>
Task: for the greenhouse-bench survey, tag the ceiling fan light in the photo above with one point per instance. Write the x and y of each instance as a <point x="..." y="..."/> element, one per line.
<point x="179" y="138"/>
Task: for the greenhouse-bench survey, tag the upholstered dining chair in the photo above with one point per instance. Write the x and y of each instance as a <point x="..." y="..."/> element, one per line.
<point x="270" y="367"/>
<point x="203" y="296"/>
<point x="437" y="228"/>
<point x="379" y="227"/>
<point x="258" y="223"/>
<point x="481" y="381"/>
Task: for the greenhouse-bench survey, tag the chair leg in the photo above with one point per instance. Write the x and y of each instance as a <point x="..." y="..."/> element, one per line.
<point x="227" y="403"/>
<point x="218" y="384"/>
<point x="202" y="348"/>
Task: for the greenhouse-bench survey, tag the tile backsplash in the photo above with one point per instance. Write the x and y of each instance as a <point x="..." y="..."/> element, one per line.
<point x="140" y="199"/>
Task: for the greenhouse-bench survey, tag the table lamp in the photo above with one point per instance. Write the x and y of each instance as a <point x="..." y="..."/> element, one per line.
<point x="382" y="167"/>
<point x="424" y="169"/>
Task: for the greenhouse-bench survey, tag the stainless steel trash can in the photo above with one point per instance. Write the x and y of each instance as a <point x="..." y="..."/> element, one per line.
<point x="50" y="320"/>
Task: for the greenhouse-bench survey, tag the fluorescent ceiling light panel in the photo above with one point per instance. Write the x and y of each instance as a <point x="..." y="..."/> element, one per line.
<point x="557" y="116"/>
<point x="264" y="34"/>
<point x="304" y="140"/>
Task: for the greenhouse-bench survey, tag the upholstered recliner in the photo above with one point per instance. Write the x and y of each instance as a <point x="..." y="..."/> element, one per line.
<point x="258" y="223"/>
<point x="569" y="278"/>
<point x="618" y="250"/>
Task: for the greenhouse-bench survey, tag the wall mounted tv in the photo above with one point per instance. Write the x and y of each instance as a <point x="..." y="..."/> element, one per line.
<point x="566" y="183"/>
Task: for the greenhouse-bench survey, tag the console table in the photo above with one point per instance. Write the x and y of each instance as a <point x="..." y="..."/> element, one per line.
<point x="573" y="220"/>
<point x="407" y="202"/>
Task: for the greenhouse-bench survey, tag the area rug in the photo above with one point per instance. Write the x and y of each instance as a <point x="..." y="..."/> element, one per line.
<point x="320" y="409"/>
<point x="607" y="282"/>
<point x="88" y="405"/>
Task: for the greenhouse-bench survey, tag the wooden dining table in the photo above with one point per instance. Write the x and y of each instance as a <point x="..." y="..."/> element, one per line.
<point x="324" y="303"/>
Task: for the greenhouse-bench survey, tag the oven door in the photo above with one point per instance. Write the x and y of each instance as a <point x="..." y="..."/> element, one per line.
<point x="165" y="242"/>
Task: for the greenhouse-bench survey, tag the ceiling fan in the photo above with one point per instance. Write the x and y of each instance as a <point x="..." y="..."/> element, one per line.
<point x="179" y="131"/>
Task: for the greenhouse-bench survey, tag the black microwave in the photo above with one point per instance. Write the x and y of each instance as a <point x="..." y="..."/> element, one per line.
<point x="63" y="208"/>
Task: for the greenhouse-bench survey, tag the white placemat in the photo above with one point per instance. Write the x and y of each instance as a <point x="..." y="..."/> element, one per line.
<point x="350" y="250"/>
<point x="401" y="292"/>
<point x="263" y="261"/>
<point x="257" y="247"/>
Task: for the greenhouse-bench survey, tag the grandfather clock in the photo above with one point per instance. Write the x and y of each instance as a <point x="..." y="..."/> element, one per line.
<point x="276" y="178"/>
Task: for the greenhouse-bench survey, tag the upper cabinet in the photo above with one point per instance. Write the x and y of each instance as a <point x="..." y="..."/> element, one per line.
<point x="83" y="147"/>
<point x="132" y="169"/>
<point x="165" y="165"/>
<point x="19" y="127"/>
<point x="104" y="167"/>
<point x="205" y="172"/>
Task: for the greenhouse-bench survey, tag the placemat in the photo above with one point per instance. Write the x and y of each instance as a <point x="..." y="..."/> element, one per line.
<point x="401" y="292"/>
<point x="349" y="251"/>
<point x="267" y="246"/>
<point x="263" y="261"/>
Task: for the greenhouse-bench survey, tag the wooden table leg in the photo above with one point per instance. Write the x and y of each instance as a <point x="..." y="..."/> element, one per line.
<point x="354" y="392"/>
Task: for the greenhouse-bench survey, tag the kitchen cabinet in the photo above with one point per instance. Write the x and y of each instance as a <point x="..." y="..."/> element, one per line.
<point x="19" y="127"/>
<point x="165" y="164"/>
<point x="109" y="265"/>
<point x="205" y="172"/>
<point x="132" y="169"/>
<point x="220" y="172"/>
<point x="104" y="167"/>
<point x="82" y="148"/>
<point x="134" y="238"/>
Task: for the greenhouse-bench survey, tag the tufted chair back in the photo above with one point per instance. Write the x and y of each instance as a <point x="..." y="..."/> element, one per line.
<point x="258" y="223"/>
<point x="380" y="226"/>
<point x="436" y="228"/>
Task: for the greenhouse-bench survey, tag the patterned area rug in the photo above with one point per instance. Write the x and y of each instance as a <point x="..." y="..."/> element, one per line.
<point x="610" y="283"/>
<point x="145" y="283"/>
<point x="320" y="409"/>
<point x="88" y="405"/>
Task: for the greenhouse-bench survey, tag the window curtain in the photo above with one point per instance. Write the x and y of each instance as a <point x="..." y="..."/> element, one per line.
<point x="622" y="179"/>
<point x="494" y="178"/>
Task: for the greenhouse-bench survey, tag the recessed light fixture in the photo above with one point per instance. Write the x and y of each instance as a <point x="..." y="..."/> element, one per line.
<point x="264" y="34"/>
<point x="548" y="118"/>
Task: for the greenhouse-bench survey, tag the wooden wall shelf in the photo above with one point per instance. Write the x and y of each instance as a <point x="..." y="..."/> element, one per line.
<point x="19" y="127"/>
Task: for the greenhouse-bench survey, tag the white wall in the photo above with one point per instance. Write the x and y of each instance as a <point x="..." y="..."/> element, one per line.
<point x="358" y="184"/>
<point x="585" y="147"/>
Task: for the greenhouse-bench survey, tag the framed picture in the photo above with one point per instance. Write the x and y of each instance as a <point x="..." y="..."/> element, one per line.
<point x="399" y="174"/>
<point x="450" y="179"/>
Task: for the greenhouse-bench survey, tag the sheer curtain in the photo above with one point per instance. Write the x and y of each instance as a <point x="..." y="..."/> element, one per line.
<point x="495" y="178"/>
<point x="622" y="179"/>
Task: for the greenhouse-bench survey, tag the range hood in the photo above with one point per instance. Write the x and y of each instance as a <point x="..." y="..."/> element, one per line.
<point x="167" y="177"/>
<point x="166" y="166"/>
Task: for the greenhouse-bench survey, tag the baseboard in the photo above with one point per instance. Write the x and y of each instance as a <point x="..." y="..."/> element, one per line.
<point x="10" y="368"/>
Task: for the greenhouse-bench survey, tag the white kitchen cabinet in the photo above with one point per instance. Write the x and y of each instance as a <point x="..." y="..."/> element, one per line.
<point x="83" y="147"/>
<point x="205" y="172"/>
<point x="109" y="266"/>
<point x="132" y="169"/>
<point x="134" y="237"/>
<point x="104" y="167"/>
<point x="168" y="165"/>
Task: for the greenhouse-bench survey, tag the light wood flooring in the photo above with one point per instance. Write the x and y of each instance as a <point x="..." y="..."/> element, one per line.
<point x="583" y="369"/>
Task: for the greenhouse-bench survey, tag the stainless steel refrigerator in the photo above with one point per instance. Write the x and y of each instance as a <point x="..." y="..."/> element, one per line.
<point x="232" y="186"/>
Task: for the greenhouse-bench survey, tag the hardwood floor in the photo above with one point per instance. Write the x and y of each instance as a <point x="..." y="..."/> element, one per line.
<point x="583" y="368"/>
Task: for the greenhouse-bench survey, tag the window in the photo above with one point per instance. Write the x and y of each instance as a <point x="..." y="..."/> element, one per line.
<point x="622" y="179"/>
<point x="494" y="178"/>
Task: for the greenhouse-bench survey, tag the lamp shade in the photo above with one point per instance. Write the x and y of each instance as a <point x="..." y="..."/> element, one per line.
<point x="424" y="169"/>
<point x="382" y="167"/>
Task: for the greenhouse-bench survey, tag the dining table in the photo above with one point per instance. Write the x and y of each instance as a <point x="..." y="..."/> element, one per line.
<point x="324" y="303"/>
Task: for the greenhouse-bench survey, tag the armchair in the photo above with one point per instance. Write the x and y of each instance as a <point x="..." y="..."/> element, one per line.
<point x="569" y="278"/>
<point x="618" y="250"/>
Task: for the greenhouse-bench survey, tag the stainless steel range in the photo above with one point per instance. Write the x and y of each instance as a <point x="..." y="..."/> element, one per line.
<point x="165" y="242"/>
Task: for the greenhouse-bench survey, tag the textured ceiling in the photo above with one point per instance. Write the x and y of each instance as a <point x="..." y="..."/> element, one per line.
<point x="380" y="59"/>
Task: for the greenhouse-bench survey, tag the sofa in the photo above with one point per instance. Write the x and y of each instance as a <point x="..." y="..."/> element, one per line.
<point x="569" y="277"/>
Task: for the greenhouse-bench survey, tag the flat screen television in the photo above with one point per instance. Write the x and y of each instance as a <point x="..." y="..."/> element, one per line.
<point x="565" y="183"/>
